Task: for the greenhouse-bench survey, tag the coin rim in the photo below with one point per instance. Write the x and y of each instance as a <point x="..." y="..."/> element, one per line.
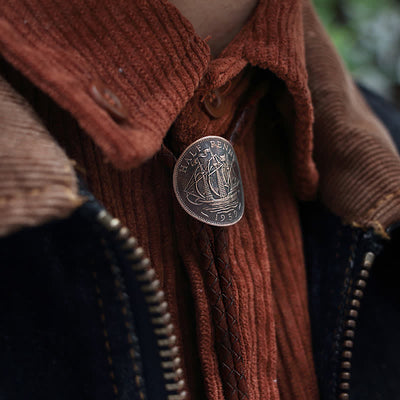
<point x="178" y="196"/>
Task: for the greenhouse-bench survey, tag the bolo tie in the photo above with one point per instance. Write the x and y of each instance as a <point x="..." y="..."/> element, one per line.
<point x="208" y="185"/>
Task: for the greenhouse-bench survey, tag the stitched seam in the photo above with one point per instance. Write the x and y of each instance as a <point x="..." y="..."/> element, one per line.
<point x="384" y="199"/>
<point x="377" y="227"/>
<point x="100" y="304"/>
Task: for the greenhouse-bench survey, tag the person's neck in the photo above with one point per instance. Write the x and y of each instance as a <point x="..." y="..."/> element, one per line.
<point x="219" y="19"/>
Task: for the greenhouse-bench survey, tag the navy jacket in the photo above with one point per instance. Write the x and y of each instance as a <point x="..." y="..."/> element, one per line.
<point x="71" y="327"/>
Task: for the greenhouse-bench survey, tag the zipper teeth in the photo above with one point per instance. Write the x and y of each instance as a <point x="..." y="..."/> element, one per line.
<point x="156" y="305"/>
<point x="350" y="325"/>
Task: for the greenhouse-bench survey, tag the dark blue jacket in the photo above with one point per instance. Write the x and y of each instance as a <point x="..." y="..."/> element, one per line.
<point x="71" y="327"/>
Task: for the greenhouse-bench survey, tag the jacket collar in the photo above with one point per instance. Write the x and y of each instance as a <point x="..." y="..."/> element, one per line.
<point x="37" y="180"/>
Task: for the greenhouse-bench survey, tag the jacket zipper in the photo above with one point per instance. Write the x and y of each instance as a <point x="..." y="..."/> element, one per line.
<point x="156" y="305"/>
<point x="350" y="323"/>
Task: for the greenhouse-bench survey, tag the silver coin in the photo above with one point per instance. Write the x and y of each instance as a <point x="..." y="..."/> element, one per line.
<point x="207" y="182"/>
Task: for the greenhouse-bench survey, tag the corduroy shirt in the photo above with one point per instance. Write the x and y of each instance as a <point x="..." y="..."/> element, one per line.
<point x="142" y="86"/>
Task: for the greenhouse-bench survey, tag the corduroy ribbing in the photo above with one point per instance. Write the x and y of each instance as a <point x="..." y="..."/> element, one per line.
<point x="288" y="276"/>
<point x="33" y="169"/>
<point x="283" y="237"/>
<point x="148" y="54"/>
<point x="143" y="51"/>
<point x="356" y="158"/>
<point x="285" y="57"/>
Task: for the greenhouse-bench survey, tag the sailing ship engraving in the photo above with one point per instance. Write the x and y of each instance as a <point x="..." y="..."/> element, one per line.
<point x="214" y="183"/>
<point x="207" y="182"/>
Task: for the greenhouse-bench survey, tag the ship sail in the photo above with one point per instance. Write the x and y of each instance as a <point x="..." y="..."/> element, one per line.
<point x="213" y="181"/>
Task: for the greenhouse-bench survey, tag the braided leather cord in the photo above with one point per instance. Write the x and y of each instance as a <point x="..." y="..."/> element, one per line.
<point x="213" y="243"/>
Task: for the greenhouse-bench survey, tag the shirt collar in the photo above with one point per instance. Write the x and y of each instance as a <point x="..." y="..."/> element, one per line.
<point x="125" y="73"/>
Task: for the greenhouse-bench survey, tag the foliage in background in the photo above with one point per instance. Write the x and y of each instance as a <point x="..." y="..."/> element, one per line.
<point x="367" y="35"/>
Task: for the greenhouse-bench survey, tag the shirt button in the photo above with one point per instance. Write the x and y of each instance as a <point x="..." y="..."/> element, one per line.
<point x="110" y="102"/>
<point x="216" y="104"/>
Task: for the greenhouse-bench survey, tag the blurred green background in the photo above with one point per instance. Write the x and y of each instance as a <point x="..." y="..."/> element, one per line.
<point x="367" y="35"/>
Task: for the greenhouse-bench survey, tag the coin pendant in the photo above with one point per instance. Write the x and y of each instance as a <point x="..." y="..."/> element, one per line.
<point x="207" y="182"/>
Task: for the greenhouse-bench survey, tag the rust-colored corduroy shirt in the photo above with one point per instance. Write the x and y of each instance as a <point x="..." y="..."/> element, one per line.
<point x="156" y="82"/>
